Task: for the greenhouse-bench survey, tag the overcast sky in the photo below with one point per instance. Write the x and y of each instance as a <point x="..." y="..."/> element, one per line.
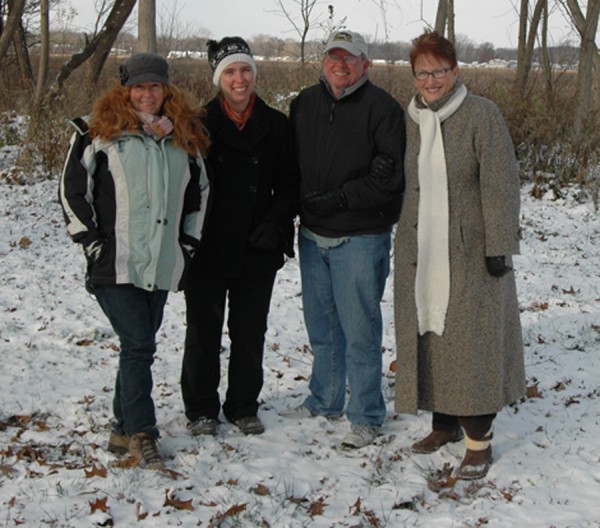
<point x="492" y="21"/>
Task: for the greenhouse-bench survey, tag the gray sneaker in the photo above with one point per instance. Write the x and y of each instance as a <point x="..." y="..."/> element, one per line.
<point x="203" y="426"/>
<point x="360" y="436"/>
<point x="297" y="413"/>
<point x="250" y="425"/>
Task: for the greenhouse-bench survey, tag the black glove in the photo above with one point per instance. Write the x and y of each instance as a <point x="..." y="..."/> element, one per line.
<point x="266" y="237"/>
<point x="496" y="266"/>
<point x="382" y="166"/>
<point x="325" y="203"/>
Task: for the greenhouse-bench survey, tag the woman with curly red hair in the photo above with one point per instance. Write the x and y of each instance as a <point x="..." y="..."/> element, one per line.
<point x="134" y="193"/>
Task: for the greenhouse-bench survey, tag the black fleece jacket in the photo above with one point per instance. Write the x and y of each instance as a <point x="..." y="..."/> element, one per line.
<point x="336" y="141"/>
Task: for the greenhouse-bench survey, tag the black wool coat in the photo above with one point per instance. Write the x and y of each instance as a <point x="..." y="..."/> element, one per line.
<point x="254" y="179"/>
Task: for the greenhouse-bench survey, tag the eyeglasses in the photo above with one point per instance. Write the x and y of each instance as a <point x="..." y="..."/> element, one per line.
<point x="436" y="74"/>
<point x="350" y="60"/>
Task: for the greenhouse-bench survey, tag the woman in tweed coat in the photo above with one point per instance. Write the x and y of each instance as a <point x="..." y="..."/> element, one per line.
<point x="458" y="333"/>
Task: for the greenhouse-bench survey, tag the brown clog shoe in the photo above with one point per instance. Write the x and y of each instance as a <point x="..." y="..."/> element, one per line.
<point x="475" y="464"/>
<point x="436" y="439"/>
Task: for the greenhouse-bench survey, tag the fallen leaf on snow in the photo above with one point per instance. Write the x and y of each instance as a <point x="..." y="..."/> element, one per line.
<point x="99" y="504"/>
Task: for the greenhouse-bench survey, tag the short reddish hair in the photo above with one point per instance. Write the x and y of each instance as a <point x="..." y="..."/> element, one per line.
<point x="432" y="43"/>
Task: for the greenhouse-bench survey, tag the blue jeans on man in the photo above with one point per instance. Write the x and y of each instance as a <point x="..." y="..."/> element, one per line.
<point x="342" y="288"/>
<point x="135" y="315"/>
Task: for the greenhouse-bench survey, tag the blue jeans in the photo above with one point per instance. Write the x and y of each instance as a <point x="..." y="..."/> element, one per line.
<point x="342" y="289"/>
<point x="135" y="316"/>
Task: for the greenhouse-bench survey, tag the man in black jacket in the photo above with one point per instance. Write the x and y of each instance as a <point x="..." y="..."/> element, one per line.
<point x="350" y="140"/>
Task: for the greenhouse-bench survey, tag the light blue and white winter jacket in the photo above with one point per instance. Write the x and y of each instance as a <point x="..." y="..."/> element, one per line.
<point x="140" y="203"/>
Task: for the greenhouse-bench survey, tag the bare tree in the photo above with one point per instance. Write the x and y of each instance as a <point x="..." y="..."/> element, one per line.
<point x="97" y="50"/>
<point x="444" y="18"/>
<point x="12" y="22"/>
<point x="526" y="42"/>
<point x="301" y="27"/>
<point x="147" y="25"/>
<point x="22" y="53"/>
<point x="544" y="55"/>
<point x="450" y="19"/>
<point x="44" y="53"/>
<point x="175" y="33"/>
<point x="579" y="22"/>
<point x="588" y="50"/>
<point x="440" y="17"/>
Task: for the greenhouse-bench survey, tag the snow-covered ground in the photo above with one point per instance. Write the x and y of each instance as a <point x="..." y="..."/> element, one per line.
<point x="59" y="356"/>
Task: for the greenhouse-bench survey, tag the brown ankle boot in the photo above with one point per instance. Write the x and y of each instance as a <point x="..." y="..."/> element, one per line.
<point x="436" y="439"/>
<point x="475" y="464"/>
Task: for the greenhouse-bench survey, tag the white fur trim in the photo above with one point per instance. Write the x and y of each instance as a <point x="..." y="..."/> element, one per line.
<point x="230" y="59"/>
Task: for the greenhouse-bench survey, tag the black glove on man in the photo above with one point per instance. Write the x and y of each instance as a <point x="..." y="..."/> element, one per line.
<point x="382" y="166"/>
<point x="496" y="266"/>
<point x="325" y="203"/>
<point x="266" y="237"/>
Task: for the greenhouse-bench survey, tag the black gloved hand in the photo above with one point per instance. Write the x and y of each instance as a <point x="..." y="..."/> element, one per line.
<point x="325" y="203"/>
<point x="382" y="166"/>
<point x="266" y="237"/>
<point x="496" y="266"/>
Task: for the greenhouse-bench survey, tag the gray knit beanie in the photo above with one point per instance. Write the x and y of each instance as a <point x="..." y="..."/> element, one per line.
<point x="144" y="67"/>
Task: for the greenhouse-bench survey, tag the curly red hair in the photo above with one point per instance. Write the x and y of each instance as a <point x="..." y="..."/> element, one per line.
<point x="114" y="114"/>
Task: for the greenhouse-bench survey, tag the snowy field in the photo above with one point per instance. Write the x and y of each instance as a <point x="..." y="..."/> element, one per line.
<point x="59" y="357"/>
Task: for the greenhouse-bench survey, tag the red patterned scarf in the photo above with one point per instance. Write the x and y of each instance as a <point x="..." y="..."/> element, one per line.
<point x="239" y="118"/>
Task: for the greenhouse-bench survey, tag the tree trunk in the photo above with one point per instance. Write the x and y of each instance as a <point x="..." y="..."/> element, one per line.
<point x="22" y="55"/>
<point x="441" y="16"/>
<point x="44" y="54"/>
<point x="587" y="53"/>
<point x="526" y="43"/>
<point x="545" y="57"/>
<point x="12" y="22"/>
<point x="146" y="26"/>
<point x="450" y="17"/>
<point x="98" y="48"/>
<point x="579" y="22"/>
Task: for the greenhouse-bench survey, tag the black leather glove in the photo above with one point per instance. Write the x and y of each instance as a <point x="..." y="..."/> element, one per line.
<point x="325" y="203"/>
<point x="496" y="266"/>
<point x="266" y="237"/>
<point x="382" y="166"/>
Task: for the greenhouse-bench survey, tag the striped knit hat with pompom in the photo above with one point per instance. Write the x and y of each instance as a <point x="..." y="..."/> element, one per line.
<point x="227" y="51"/>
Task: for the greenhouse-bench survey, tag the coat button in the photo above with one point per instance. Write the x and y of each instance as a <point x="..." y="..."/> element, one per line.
<point x="165" y="221"/>
<point x="254" y="161"/>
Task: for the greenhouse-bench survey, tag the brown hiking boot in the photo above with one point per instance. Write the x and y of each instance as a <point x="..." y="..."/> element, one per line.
<point x="436" y="439"/>
<point x="143" y="449"/>
<point x="475" y="464"/>
<point x="118" y="444"/>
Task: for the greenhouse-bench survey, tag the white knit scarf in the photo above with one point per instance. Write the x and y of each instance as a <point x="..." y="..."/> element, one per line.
<point x="432" y="283"/>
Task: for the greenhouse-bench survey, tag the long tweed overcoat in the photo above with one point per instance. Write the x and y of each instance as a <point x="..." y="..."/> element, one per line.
<point x="476" y="366"/>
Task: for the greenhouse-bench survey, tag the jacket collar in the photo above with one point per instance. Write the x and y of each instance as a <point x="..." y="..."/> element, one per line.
<point x="346" y="91"/>
<point x="223" y="129"/>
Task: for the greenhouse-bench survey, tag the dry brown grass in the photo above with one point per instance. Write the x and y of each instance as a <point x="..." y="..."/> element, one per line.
<point x="540" y="124"/>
